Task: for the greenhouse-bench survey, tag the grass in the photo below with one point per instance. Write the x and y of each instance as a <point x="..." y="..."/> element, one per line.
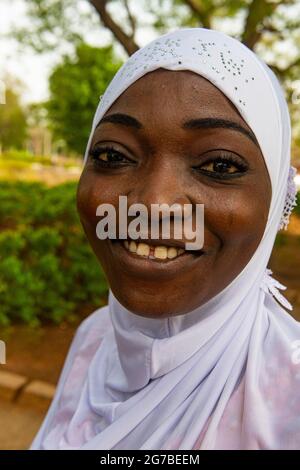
<point x="22" y="166"/>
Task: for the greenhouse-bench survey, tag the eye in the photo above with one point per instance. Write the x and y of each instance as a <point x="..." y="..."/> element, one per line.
<point x="220" y="166"/>
<point x="108" y="157"/>
<point x="223" y="165"/>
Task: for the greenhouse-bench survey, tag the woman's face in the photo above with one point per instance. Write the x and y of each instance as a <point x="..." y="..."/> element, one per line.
<point x="182" y="142"/>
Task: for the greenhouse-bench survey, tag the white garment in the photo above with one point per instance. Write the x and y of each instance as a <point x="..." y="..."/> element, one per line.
<point x="227" y="374"/>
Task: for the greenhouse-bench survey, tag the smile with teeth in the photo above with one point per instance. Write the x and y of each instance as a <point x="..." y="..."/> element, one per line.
<point x="153" y="252"/>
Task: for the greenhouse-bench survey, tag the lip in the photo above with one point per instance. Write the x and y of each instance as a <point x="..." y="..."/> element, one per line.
<point x="139" y="266"/>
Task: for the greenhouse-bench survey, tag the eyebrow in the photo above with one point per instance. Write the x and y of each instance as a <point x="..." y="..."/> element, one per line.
<point x="200" y="123"/>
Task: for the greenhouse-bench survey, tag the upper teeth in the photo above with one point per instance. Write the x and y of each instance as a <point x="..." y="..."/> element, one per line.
<point x="160" y="252"/>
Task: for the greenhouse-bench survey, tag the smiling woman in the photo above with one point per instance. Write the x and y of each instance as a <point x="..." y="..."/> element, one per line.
<point x="192" y="350"/>
<point x="195" y="149"/>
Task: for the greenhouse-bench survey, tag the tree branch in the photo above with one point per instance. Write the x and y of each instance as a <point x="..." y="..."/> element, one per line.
<point x="258" y="11"/>
<point x="200" y="12"/>
<point x="127" y="41"/>
<point x="282" y="72"/>
<point x="131" y="18"/>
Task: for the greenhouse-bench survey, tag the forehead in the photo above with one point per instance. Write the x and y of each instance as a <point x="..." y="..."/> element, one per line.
<point x="161" y="91"/>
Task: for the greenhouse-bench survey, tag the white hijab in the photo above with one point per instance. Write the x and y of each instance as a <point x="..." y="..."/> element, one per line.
<point x="225" y="375"/>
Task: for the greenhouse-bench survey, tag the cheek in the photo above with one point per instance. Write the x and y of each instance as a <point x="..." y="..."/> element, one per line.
<point x="92" y="191"/>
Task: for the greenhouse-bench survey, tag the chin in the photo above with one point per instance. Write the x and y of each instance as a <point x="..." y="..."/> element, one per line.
<point x="153" y="305"/>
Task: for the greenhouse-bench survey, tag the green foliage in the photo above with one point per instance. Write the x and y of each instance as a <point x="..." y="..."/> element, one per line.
<point x="53" y="22"/>
<point x="12" y="122"/>
<point x="75" y="87"/>
<point x="47" y="269"/>
<point x="281" y="239"/>
<point x="24" y="156"/>
<point x="269" y="27"/>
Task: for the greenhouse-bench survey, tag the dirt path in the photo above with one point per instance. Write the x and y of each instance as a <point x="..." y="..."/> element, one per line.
<point x="39" y="353"/>
<point x="19" y="425"/>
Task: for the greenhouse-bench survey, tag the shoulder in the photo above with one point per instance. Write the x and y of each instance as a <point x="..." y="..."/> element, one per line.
<point x="99" y="320"/>
<point x="91" y="331"/>
<point x="87" y="339"/>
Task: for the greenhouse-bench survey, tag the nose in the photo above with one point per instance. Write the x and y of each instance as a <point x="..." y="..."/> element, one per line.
<point x="162" y="184"/>
<point x="163" y="190"/>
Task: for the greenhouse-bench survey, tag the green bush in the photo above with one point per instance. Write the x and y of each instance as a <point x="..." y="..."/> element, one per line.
<point x="47" y="269"/>
<point x="281" y="239"/>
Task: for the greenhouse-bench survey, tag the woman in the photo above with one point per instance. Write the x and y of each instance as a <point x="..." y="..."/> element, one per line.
<point x="192" y="350"/>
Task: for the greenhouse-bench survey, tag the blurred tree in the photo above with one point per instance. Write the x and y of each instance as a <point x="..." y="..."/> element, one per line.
<point x="75" y="86"/>
<point x="269" y="27"/>
<point x="13" y="123"/>
<point x="37" y="115"/>
<point x="262" y="24"/>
